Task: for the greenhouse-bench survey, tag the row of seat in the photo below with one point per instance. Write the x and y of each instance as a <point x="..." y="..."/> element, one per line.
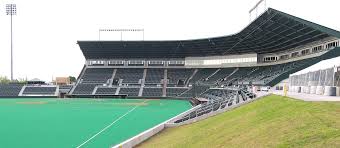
<point x="39" y="90"/>
<point x="218" y="100"/>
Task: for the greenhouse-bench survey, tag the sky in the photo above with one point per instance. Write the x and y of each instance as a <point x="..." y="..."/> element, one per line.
<point x="45" y="32"/>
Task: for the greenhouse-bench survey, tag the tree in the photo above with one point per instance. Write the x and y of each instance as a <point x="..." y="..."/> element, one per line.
<point x="72" y="79"/>
<point x="4" y="80"/>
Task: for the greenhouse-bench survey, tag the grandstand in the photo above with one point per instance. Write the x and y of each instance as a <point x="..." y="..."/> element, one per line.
<point x="215" y="74"/>
<point x="273" y="46"/>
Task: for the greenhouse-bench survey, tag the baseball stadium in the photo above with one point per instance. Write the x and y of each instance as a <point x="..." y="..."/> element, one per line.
<point x="208" y="92"/>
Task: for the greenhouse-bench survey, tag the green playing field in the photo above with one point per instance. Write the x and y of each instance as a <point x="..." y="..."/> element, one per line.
<point x="42" y="123"/>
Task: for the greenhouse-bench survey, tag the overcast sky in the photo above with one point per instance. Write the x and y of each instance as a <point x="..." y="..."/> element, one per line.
<point x="46" y="31"/>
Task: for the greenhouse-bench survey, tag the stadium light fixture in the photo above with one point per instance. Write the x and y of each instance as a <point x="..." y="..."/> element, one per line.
<point x="11" y="10"/>
<point x="256" y="8"/>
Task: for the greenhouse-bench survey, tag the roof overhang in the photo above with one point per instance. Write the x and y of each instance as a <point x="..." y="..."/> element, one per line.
<point x="273" y="31"/>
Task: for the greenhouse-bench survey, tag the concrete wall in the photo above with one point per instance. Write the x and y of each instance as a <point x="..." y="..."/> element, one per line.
<point x="313" y="90"/>
<point x="330" y="91"/>
<point x="319" y="90"/>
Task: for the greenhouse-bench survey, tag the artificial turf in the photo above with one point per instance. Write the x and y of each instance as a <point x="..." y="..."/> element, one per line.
<point x="273" y="121"/>
<point x="57" y="123"/>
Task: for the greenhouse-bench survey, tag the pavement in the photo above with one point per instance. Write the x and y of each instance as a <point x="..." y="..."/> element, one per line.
<point x="307" y="97"/>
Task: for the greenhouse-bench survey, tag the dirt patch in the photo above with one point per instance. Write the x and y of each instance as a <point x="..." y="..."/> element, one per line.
<point x="32" y="103"/>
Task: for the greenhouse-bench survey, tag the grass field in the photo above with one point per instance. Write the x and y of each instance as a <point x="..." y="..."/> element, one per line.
<point x="52" y="123"/>
<point x="273" y="121"/>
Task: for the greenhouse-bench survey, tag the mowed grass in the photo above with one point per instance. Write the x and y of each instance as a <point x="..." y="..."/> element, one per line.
<point x="273" y="121"/>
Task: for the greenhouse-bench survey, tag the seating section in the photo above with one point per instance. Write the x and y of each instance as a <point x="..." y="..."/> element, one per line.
<point x="10" y="90"/>
<point x="202" y="74"/>
<point x="154" y="76"/>
<point x="129" y="91"/>
<point x="152" y="92"/>
<point x="194" y="91"/>
<point x="129" y="75"/>
<point x="106" y="91"/>
<point x="96" y="75"/>
<point x="65" y="88"/>
<point x="217" y="100"/>
<point x="182" y="82"/>
<point x="175" y="91"/>
<point x="174" y="75"/>
<point x="39" y="90"/>
<point x="84" y="89"/>
<point x="221" y="74"/>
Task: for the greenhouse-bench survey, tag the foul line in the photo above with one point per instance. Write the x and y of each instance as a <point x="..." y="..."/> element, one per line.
<point x="95" y="135"/>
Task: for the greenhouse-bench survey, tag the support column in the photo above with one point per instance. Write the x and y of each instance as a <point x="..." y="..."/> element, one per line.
<point x="165" y="82"/>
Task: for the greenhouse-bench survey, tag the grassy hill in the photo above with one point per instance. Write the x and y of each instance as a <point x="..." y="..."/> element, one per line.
<point x="273" y="121"/>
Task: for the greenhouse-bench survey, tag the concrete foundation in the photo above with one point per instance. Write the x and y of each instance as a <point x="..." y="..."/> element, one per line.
<point x="337" y="91"/>
<point x="330" y="91"/>
<point x="306" y="89"/>
<point x="313" y="90"/>
<point x="298" y="89"/>
<point x="319" y="90"/>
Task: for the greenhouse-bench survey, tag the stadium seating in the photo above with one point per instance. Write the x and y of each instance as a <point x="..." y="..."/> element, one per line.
<point x="154" y="76"/>
<point x="96" y="75"/>
<point x="10" y="90"/>
<point x="129" y="91"/>
<point x="152" y="92"/>
<point x="176" y="91"/>
<point x="129" y="75"/>
<point x="194" y="91"/>
<point x="218" y="99"/>
<point x="106" y="90"/>
<point x="84" y="89"/>
<point x="39" y="90"/>
<point x="65" y="88"/>
<point x="177" y="75"/>
<point x="202" y="74"/>
<point x="221" y="74"/>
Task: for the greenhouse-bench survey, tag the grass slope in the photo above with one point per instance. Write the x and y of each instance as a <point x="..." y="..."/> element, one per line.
<point x="273" y="121"/>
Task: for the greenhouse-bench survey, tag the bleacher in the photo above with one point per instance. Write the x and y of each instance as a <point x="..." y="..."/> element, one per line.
<point x="129" y="91"/>
<point x="96" y="75"/>
<point x="202" y="74"/>
<point x="218" y="76"/>
<point x="152" y="92"/>
<point x="129" y="75"/>
<point x="39" y="90"/>
<point x="106" y="90"/>
<point x="194" y="91"/>
<point x="176" y="91"/>
<point x="217" y="100"/>
<point x="65" y="88"/>
<point x="154" y="76"/>
<point x="10" y="90"/>
<point x="84" y="89"/>
<point x="182" y="82"/>
<point x="179" y="76"/>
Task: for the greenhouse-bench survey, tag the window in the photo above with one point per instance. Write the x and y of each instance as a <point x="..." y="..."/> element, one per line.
<point x="332" y="45"/>
<point x="295" y="54"/>
<point x="304" y="52"/>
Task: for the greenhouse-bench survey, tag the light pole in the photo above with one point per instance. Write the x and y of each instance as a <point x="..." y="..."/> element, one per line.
<point x="11" y="10"/>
